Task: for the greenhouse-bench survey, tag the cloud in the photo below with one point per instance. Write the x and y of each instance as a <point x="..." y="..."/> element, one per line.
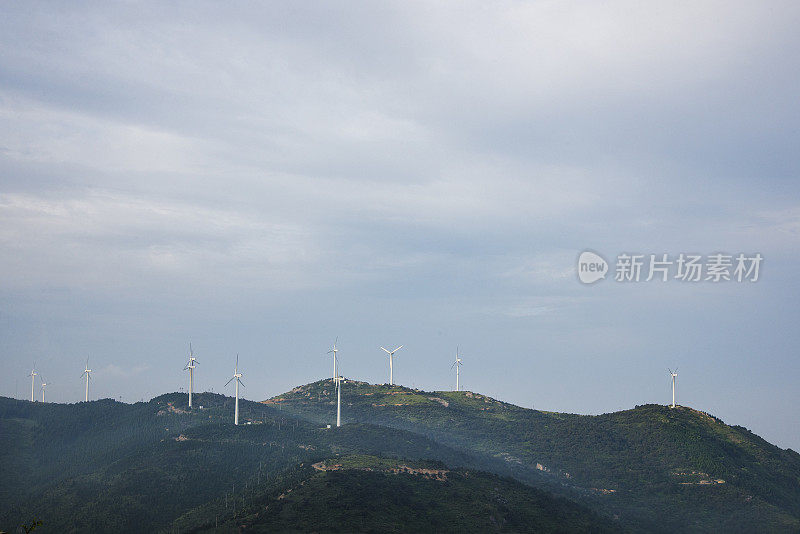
<point x="104" y="240"/>
<point x="116" y="371"/>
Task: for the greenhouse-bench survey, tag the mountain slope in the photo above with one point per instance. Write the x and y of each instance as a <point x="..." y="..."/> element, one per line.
<point x="687" y="464"/>
<point x="371" y="494"/>
<point x="106" y="466"/>
<point x="156" y="466"/>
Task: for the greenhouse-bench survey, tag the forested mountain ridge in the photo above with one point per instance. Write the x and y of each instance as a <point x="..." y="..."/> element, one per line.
<point x="106" y="466"/>
<point x="687" y="464"/>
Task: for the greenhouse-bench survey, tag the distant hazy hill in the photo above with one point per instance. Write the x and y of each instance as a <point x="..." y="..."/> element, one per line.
<point x="652" y="467"/>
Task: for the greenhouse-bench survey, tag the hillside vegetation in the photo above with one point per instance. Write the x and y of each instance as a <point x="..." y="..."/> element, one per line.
<point x="652" y="467"/>
<point x="372" y="494"/>
<point x="105" y="466"/>
<point x="403" y="460"/>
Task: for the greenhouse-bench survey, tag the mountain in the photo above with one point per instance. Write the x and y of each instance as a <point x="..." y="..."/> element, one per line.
<point x="653" y="468"/>
<point x="403" y="460"/>
<point x="106" y="466"/>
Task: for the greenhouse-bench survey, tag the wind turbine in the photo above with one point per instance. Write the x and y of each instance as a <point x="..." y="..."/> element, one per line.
<point x="236" y="376"/>
<point x="86" y="372"/>
<point x="673" y="374"/>
<point x="391" y="356"/>
<point x="456" y="364"/>
<point x="44" y="385"/>
<point x="190" y="365"/>
<point x="333" y="351"/>
<point x="33" y="378"/>
<point x="339" y="380"/>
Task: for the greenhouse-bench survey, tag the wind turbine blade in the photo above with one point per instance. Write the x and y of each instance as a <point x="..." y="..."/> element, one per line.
<point x="228" y="382"/>
<point x="241" y="383"/>
<point x="454" y="364"/>
<point x="398" y="348"/>
<point x="386" y="351"/>
<point x="191" y="352"/>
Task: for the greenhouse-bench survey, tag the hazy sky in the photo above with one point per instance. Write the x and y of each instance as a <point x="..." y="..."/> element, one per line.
<point x="263" y="178"/>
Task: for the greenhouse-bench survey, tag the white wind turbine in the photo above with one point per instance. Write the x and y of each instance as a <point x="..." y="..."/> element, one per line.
<point x="190" y="365"/>
<point x="333" y="351"/>
<point x="44" y="385"/>
<point x="236" y="376"/>
<point x="457" y="364"/>
<point x="33" y="378"/>
<point x="673" y="375"/>
<point x="86" y="372"/>
<point x="391" y="357"/>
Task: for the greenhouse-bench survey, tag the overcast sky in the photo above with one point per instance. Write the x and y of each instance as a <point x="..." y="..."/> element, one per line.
<point x="261" y="179"/>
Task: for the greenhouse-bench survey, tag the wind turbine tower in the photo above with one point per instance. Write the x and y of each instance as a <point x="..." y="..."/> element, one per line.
<point x="44" y="385"/>
<point x="236" y="376"/>
<point x="339" y="380"/>
<point x="190" y="365"/>
<point x="33" y="378"/>
<point x="86" y="372"/>
<point x="391" y="357"/>
<point x="333" y="351"/>
<point x="457" y="364"/>
<point x="673" y="375"/>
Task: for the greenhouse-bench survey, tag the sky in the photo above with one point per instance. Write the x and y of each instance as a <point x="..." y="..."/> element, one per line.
<point x="262" y="178"/>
